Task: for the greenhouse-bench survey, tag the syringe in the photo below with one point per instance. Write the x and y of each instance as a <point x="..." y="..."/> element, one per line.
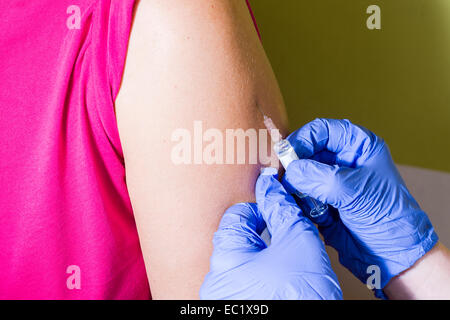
<point x="313" y="209"/>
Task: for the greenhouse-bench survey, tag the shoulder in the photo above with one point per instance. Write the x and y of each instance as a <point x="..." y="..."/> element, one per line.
<point x="172" y="19"/>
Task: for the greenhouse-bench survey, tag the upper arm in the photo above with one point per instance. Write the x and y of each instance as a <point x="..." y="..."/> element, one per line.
<point x="188" y="61"/>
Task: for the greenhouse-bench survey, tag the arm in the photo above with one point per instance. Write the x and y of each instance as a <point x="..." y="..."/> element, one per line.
<point x="188" y="61"/>
<point x="429" y="278"/>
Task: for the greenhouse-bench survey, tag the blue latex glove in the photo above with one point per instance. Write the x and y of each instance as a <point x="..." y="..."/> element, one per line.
<point x="379" y="222"/>
<point x="294" y="266"/>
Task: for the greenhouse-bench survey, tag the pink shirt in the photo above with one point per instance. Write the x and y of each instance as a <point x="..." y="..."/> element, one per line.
<point x="68" y="230"/>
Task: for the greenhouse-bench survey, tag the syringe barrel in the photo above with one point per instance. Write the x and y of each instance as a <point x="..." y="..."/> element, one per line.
<point x="285" y="152"/>
<point x="312" y="208"/>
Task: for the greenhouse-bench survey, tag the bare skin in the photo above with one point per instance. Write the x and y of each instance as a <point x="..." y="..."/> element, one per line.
<point x="187" y="61"/>
<point x="429" y="278"/>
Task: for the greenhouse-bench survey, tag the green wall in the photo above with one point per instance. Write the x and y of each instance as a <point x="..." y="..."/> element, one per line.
<point x="394" y="81"/>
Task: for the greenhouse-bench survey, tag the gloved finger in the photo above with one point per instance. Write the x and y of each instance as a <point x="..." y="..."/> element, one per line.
<point x="275" y="204"/>
<point x="350" y="143"/>
<point x="240" y="229"/>
<point x="328" y="184"/>
<point x="238" y="238"/>
<point x="335" y="231"/>
<point x="325" y="156"/>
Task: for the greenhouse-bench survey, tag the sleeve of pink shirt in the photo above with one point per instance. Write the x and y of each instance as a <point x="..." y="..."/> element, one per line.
<point x="111" y="34"/>
<point x="64" y="204"/>
<point x="119" y="27"/>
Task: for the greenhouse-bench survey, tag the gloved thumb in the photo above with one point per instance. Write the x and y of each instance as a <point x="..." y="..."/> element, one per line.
<point x="328" y="184"/>
<point x="238" y="237"/>
<point x="275" y="204"/>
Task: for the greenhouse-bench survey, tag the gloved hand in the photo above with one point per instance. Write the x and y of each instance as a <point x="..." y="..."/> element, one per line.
<point x="379" y="222"/>
<point x="294" y="266"/>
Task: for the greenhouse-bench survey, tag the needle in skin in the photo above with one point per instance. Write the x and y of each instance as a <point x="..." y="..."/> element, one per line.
<point x="270" y="126"/>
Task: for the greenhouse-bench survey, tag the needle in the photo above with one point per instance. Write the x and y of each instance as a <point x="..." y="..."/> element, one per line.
<point x="260" y="111"/>
<point x="270" y="126"/>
